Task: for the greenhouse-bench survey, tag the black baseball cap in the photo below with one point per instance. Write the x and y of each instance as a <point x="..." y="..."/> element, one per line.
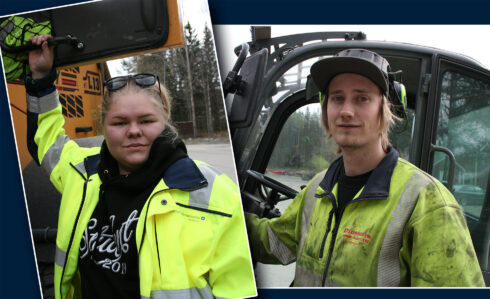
<point x="358" y="61"/>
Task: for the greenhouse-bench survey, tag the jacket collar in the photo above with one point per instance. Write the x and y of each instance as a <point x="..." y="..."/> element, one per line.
<point x="378" y="183"/>
<point x="183" y="174"/>
<point x="88" y="166"/>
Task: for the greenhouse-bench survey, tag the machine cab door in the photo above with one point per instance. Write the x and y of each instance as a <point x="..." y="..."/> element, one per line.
<point x="460" y="149"/>
<point x="97" y="31"/>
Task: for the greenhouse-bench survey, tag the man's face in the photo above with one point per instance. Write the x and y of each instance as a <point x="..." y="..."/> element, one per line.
<point x="353" y="111"/>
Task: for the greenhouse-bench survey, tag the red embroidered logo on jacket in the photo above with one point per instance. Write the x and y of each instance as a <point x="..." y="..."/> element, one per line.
<point x="355" y="238"/>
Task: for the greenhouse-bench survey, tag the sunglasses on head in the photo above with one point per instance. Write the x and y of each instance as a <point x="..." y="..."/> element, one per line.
<point x="142" y="80"/>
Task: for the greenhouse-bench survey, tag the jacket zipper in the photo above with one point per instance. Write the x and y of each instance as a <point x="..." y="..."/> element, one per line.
<point x="144" y="228"/>
<point x="335" y="231"/>
<point x="75" y="224"/>
<point x="330" y="251"/>
<point x="330" y="216"/>
<point x="338" y="218"/>
<point x="158" y="251"/>
<point x="329" y="224"/>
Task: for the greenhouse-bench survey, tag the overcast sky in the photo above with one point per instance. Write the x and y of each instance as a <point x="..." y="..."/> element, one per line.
<point x="465" y="39"/>
<point x="470" y="40"/>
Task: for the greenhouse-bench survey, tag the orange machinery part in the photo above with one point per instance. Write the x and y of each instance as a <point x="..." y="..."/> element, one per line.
<point x="80" y="90"/>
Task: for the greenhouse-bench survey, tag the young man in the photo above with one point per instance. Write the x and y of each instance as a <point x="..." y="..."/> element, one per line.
<point x="372" y="218"/>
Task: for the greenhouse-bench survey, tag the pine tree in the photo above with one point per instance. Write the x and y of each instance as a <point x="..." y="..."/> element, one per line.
<point x="196" y="94"/>
<point x="213" y="82"/>
<point x="192" y="52"/>
<point x="167" y="66"/>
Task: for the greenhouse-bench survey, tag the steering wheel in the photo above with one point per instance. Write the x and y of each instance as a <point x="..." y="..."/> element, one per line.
<point x="266" y="207"/>
<point x="273" y="184"/>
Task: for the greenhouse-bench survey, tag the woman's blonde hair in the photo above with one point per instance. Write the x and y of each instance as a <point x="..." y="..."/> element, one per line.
<point x="386" y="121"/>
<point x="158" y="96"/>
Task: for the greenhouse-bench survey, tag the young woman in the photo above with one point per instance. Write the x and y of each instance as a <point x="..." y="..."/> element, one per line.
<point x="138" y="218"/>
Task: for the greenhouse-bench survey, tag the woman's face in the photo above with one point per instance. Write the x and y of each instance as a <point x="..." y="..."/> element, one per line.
<point x="131" y="125"/>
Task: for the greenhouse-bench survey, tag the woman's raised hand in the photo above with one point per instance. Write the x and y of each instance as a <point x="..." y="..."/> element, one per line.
<point x="41" y="60"/>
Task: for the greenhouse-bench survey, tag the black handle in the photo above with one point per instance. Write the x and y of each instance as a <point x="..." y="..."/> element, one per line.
<point x="69" y="40"/>
<point x="452" y="163"/>
<point x="83" y="129"/>
<point x="233" y="81"/>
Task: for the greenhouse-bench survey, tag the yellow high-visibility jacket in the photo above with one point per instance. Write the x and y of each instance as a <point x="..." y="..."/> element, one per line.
<point x="190" y="236"/>
<point x="403" y="228"/>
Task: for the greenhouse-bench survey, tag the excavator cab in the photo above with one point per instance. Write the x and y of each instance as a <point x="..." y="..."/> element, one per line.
<point x="279" y="144"/>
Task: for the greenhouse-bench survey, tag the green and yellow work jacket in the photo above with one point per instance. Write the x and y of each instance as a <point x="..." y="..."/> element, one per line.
<point x="190" y="235"/>
<point x="403" y="228"/>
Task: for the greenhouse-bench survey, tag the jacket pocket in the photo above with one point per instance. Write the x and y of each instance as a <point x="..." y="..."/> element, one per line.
<point x="202" y="209"/>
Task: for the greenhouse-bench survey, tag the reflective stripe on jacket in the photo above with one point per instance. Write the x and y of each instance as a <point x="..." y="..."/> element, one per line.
<point x="190" y="234"/>
<point x="403" y="228"/>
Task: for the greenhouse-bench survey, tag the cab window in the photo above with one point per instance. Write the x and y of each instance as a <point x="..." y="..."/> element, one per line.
<point x="464" y="129"/>
<point x="302" y="148"/>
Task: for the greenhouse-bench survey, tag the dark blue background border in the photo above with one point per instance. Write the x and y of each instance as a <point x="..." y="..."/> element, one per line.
<point x="18" y="277"/>
<point x="9" y="7"/>
<point x="350" y="11"/>
<point x="372" y="293"/>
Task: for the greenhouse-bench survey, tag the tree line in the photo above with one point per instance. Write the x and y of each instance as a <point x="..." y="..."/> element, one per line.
<point x="191" y="77"/>
<point x="303" y="145"/>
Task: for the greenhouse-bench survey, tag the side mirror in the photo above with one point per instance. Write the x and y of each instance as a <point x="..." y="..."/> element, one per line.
<point x="244" y="105"/>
